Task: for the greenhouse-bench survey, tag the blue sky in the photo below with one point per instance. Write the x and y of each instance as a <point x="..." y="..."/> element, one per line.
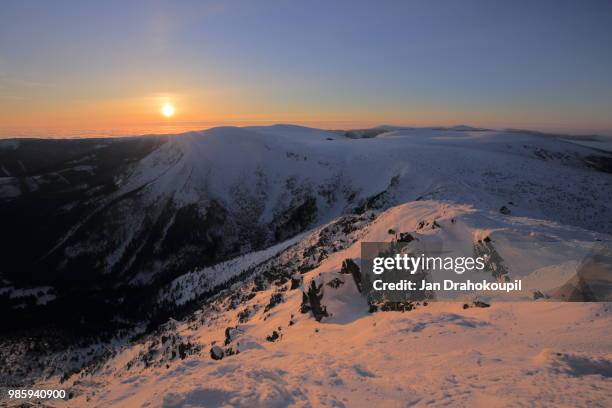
<point x="534" y="64"/>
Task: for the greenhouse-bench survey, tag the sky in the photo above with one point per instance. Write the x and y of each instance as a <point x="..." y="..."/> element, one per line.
<point x="80" y="68"/>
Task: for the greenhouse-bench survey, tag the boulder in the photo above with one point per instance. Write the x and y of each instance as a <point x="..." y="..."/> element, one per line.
<point x="216" y="353"/>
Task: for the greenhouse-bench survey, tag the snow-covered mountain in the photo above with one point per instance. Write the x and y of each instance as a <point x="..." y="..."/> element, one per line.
<point x="234" y="243"/>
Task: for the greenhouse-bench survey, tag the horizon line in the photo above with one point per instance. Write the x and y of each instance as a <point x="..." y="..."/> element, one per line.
<point x="100" y="134"/>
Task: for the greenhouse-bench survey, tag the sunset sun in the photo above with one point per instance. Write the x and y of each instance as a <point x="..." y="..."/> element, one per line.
<point x="167" y="110"/>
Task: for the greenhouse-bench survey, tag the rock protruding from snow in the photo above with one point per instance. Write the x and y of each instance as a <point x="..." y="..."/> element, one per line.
<point x="216" y="353"/>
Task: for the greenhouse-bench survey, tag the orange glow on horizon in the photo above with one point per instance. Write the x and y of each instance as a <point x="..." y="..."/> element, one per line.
<point x="159" y="113"/>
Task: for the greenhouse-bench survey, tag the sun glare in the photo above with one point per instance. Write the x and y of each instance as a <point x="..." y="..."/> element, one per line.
<point x="167" y="110"/>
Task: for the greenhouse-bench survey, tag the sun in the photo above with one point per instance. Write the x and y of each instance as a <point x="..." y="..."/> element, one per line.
<point x="167" y="110"/>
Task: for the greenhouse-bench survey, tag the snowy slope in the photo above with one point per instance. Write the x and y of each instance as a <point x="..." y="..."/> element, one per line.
<point x="437" y="354"/>
<point x="287" y="205"/>
<point x="233" y="165"/>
